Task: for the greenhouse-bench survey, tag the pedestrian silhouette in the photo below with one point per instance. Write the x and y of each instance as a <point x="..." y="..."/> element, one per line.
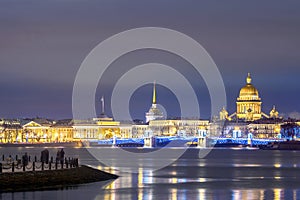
<point x="45" y="156"/>
<point x="62" y="156"/>
<point x="25" y="159"/>
<point x="58" y="156"/>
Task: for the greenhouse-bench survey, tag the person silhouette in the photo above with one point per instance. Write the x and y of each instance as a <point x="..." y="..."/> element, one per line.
<point x="62" y="156"/>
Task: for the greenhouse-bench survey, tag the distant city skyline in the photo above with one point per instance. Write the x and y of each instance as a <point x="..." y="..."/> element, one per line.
<point x="40" y="52"/>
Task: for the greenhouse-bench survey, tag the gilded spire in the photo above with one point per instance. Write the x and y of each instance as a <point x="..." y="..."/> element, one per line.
<point x="154" y="94"/>
<point x="248" y="79"/>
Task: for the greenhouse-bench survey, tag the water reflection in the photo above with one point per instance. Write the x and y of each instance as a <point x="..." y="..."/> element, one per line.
<point x="144" y="193"/>
<point x="202" y="194"/>
<point x="146" y="185"/>
<point x="261" y="195"/>
<point x="294" y="194"/>
<point x="224" y="174"/>
<point x="173" y="194"/>
<point x="278" y="194"/>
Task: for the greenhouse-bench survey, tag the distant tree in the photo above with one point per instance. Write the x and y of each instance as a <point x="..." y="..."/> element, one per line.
<point x="290" y="130"/>
<point x="138" y="121"/>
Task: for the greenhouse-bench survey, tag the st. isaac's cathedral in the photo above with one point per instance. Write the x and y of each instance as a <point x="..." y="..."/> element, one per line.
<point x="248" y="105"/>
<point x="248" y="117"/>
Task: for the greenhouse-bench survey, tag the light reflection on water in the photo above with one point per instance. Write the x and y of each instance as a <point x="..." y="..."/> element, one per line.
<point x="223" y="174"/>
<point x="114" y="191"/>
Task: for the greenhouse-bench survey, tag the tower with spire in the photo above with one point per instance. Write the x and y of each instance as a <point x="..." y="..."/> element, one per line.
<point x="154" y="113"/>
<point x="103" y="116"/>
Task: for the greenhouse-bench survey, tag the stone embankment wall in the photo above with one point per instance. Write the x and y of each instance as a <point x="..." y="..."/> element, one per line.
<point x="37" y="180"/>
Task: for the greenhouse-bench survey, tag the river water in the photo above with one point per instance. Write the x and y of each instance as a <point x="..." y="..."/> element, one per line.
<point x="222" y="174"/>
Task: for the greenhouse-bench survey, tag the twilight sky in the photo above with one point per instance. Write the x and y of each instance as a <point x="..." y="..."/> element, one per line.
<point x="43" y="43"/>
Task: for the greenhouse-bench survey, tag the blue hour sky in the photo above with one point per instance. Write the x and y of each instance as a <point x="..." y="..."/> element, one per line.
<point x="43" y="43"/>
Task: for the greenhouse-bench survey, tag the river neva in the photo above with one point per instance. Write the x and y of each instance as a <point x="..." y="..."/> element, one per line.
<point x="222" y="174"/>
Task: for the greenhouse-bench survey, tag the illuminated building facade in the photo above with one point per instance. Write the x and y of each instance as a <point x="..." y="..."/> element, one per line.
<point x="25" y="130"/>
<point x="97" y="128"/>
<point x="139" y="130"/>
<point x="154" y="113"/>
<point x="11" y="131"/>
<point x="233" y="129"/>
<point x="126" y="130"/>
<point x="265" y="129"/>
<point x="248" y="118"/>
<point x="158" y="126"/>
<point x="248" y="105"/>
<point x="184" y="127"/>
<point x="62" y="131"/>
<point x="37" y="130"/>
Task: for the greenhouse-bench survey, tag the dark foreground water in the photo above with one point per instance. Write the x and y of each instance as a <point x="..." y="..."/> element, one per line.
<point x="222" y="174"/>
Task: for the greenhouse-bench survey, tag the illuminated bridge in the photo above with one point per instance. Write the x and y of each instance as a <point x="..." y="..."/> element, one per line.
<point x="182" y="141"/>
<point x="243" y="141"/>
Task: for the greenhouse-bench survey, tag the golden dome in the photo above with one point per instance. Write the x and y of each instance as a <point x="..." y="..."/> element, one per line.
<point x="249" y="90"/>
